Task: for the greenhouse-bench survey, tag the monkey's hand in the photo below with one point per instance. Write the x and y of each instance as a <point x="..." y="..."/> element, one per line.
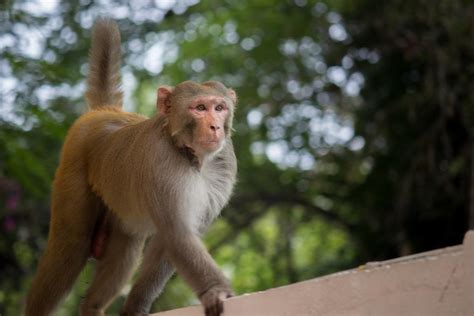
<point x="213" y="299"/>
<point x="133" y="314"/>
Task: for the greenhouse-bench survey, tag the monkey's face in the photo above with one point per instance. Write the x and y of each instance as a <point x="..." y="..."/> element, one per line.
<point x="209" y="114"/>
<point x="199" y="115"/>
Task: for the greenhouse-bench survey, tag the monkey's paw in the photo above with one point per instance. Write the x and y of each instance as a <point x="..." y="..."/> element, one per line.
<point x="133" y="314"/>
<point x="213" y="299"/>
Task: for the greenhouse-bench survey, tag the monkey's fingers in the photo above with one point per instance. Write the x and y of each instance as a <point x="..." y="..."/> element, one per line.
<point x="133" y="314"/>
<point x="215" y="309"/>
<point x="213" y="300"/>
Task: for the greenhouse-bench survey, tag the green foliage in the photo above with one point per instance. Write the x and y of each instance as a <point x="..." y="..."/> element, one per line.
<point x="354" y="128"/>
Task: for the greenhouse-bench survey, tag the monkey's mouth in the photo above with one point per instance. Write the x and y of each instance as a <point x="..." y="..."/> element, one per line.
<point x="207" y="145"/>
<point x="211" y="145"/>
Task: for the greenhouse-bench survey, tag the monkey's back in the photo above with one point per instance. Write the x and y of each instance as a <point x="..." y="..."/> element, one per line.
<point x="97" y="140"/>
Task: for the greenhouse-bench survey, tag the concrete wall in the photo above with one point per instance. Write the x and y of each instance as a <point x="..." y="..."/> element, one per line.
<point x="439" y="282"/>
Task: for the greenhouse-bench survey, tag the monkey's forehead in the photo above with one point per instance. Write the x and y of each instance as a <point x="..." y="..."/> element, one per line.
<point x="208" y="87"/>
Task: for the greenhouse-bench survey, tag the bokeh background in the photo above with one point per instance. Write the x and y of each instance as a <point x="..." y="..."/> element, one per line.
<point x="354" y="129"/>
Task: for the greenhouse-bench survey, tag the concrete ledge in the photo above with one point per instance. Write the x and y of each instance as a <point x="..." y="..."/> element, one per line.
<point x="439" y="282"/>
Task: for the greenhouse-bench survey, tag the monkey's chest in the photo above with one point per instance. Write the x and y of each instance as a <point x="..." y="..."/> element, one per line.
<point x="195" y="203"/>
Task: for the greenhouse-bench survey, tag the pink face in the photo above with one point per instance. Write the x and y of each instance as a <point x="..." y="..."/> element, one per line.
<point x="210" y="114"/>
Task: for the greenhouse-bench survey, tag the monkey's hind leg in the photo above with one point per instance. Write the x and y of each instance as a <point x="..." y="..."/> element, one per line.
<point x="114" y="268"/>
<point x="72" y="219"/>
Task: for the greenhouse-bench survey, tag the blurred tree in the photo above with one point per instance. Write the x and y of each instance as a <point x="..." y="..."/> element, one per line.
<point x="416" y="120"/>
<point x="354" y="127"/>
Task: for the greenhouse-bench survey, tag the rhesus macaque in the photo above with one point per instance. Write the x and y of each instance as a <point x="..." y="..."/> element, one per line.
<point x="124" y="178"/>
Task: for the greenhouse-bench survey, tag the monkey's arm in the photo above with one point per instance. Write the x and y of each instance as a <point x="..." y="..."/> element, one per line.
<point x="199" y="270"/>
<point x="192" y="261"/>
<point x="155" y="272"/>
<point x="187" y="253"/>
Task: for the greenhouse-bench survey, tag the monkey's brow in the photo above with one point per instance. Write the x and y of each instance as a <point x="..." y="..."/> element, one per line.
<point x="209" y="97"/>
<point x="201" y="93"/>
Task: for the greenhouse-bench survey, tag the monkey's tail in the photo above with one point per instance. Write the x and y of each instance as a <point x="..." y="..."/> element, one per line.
<point x="104" y="81"/>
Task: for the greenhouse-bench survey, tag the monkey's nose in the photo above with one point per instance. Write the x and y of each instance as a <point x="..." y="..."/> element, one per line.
<point x="215" y="127"/>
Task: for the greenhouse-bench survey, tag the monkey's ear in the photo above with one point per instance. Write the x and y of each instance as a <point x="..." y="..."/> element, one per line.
<point x="163" y="101"/>
<point x="232" y="95"/>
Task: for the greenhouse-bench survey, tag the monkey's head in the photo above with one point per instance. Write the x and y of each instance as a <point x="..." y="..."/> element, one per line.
<point x="199" y="116"/>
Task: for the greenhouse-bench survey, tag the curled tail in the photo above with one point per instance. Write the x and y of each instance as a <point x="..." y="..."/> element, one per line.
<point x="104" y="70"/>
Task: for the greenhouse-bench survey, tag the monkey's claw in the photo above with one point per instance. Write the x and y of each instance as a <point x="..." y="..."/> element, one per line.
<point x="213" y="300"/>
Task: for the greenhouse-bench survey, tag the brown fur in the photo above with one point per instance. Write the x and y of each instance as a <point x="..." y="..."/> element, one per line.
<point x="152" y="178"/>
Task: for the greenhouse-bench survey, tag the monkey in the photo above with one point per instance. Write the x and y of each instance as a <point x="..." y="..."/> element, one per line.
<point x="124" y="179"/>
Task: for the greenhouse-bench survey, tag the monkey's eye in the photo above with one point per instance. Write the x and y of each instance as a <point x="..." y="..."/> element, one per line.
<point x="219" y="108"/>
<point x="201" y="107"/>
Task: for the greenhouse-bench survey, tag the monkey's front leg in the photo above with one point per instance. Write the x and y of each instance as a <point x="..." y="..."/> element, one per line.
<point x="192" y="261"/>
<point x="155" y="272"/>
<point x="197" y="267"/>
